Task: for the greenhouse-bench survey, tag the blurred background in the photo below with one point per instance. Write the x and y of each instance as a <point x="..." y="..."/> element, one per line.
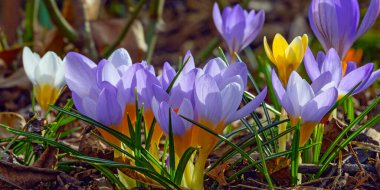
<point x="152" y="30"/>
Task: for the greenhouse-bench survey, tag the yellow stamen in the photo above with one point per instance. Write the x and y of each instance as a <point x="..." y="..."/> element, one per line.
<point x="45" y="95"/>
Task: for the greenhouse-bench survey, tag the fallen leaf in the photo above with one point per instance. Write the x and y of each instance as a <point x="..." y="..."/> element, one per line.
<point x="218" y="173"/>
<point x="104" y="32"/>
<point x="9" y="55"/>
<point x="18" y="79"/>
<point x="28" y="177"/>
<point x="48" y="159"/>
<point x="13" y="120"/>
<point x="278" y="169"/>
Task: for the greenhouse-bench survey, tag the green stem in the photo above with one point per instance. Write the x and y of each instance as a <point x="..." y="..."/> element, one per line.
<point x="30" y="11"/>
<point x="156" y="10"/>
<point x="204" y="53"/>
<point x="107" y="52"/>
<point x="63" y="26"/>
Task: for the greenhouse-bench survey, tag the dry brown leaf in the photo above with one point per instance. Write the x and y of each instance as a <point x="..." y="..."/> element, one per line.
<point x="18" y="79"/>
<point x="218" y="173"/>
<point x="13" y="120"/>
<point x="278" y="169"/>
<point x="9" y="55"/>
<point x="105" y="32"/>
<point x="28" y="177"/>
<point x="331" y="131"/>
<point x="48" y="159"/>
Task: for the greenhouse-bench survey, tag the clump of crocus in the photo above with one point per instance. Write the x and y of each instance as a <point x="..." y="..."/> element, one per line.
<point x="344" y="79"/>
<point x="237" y="26"/>
<point x="286" y="57"/>
<point x="305" y="101"/>
<point x="46" y="74"/>
<point x="97" y="89"/>
<point x="336" y="22"/>
<point x="105" y="92"/>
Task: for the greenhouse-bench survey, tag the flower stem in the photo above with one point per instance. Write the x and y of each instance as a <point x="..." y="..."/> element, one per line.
<point x="281" y="129"/>
<point x="197" y="182"/>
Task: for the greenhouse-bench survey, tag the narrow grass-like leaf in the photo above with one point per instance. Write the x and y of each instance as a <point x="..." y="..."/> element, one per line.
<point x="126" y="140"/>
<point x="280" y="154"/>
<point x="171" y="148"/>
<point x="295" y="155"/>
<point x="375" y="120"/>
<point x="167" y="183"/>
<point x="348" y="128"/>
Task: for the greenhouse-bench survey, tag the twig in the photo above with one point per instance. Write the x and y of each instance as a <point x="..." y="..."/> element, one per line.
<point x="61" y="22"/>
<point x="31" y="10"/>
<point x="121" y="36"/>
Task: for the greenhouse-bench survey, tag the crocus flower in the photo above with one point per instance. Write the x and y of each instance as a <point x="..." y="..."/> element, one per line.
<point x="344" y="79"/>
<point x="237" y="26"/>
<point x="168" y="72"/>
<point x="96" y="89"/>
<point x="218" y="93"/>
<point x="308" y="102"/>
<point x="286" y="57"/>
<point x="46" y="74"/>
<point x="336" y="22"/>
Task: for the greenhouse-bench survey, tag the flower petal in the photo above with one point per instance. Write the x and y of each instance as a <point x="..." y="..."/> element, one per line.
<point x="321" y="81"/>
<point x="369" y="18"/>
<point x="279" y="46"/>
<point x="248" y="108"/>
<point x="311" y="65"/>
<point x="315" y="109"/>
<point x="355" y="77"/>
<point x="30" y="61"/>
<point x="281" y="94"/>
<point x="108" y="109"/>
<point x="121" y="60"/>
<point x="333" y="64"/>
<point x="80" y="73"/>
<point x="217" y="18"/>
<point x="299" y="92"/>
<point x="268" y="51"/>
<point x="208" y="100"/>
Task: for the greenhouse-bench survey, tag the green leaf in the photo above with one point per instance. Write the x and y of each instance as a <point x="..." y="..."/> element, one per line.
<point x="295" y="154"/>
<point x="348" y="128"/>
<point x="171" y="148"/>
<point x="183" y="163"/>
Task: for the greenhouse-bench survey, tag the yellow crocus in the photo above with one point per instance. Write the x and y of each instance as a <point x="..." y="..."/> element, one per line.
<point x="286" y="57"/>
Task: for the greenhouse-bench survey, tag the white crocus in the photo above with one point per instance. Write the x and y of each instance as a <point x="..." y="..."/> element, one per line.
<point x="46" y="74"/>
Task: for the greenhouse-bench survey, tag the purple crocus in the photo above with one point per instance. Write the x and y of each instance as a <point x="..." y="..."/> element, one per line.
<point x="217" y="92"/>
<point x="105" y="92"/>
<point x="95" y="88"/>
<point x="237" y="26"/>
<point x="336" y="22"/>
<point x="343" y="80"/>
<point x="305" y="101"/>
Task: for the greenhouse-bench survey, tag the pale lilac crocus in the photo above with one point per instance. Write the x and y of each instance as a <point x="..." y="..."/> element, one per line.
<point x="302" y="100"/>
<point x="343" y="79"/>
<point x="216" y="96"/>
<point x="105" y="92"/>
<point x="237" y="26"/>
<point x="336" y="22"/>
<point x="218" y="92"/>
